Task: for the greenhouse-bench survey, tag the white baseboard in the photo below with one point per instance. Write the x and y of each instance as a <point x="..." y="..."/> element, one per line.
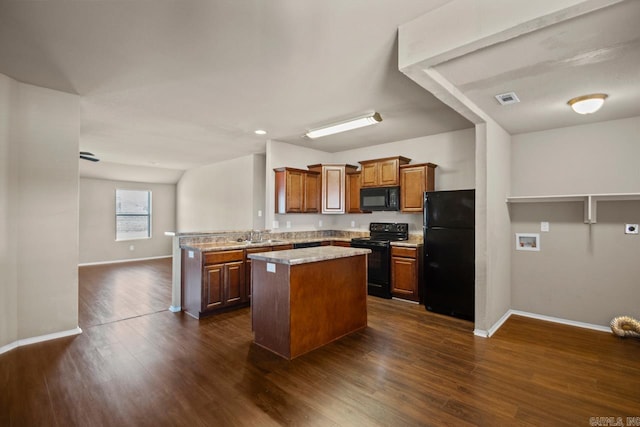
<point x="499" y="323"/>
<point x="174" y="309"/>
<point x="492" y="330"/>
<point x="85" y="264"/>
<point x="41" y="338"/>
<point x="562" y="321"/>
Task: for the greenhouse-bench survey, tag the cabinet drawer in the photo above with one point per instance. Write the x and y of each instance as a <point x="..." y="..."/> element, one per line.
<point x="404" y="252"/>
<point x="222" y="257"/>
<point x="260" y="249"/>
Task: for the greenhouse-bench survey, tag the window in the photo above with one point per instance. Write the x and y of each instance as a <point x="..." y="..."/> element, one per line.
<point x="133" y="214"/>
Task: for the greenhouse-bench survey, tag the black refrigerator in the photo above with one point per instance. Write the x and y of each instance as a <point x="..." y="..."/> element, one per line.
<point x="449" y="250"/>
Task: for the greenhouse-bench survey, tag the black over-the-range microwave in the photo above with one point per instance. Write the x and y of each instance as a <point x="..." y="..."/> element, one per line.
<point x="380" y="199"/>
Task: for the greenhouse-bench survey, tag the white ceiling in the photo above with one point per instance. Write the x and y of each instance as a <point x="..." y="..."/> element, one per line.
<point x="175" y="84"/>
<point x="593" y="53"/>
<point x="179" y="84"/>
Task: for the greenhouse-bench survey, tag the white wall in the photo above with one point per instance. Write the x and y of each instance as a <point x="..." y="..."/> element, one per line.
<point x="594" y="158"/>
<point x="40" y="278"/>
<point x="8" y="249"/>
<point x="584" y="273"/>
<point x="98" y="227"/>
<point x="498" y="237"/>
<point x="220" y="196"/>
<point x="453" y="152"/>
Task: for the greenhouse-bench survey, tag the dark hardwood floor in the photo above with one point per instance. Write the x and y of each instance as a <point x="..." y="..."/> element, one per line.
<point x="112" y="292"/>
<point x="407" y="368"/>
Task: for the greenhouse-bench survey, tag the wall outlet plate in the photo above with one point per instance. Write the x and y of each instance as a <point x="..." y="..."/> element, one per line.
<point x="631" y="229"/>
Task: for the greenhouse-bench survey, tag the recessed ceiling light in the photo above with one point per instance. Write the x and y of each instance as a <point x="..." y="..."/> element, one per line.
<point x="260" y="132"/>
<point x="587" y="104"/>
<point x="508" y="98"/>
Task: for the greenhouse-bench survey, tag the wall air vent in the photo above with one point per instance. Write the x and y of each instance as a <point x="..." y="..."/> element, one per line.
<point x="507" y="98"/>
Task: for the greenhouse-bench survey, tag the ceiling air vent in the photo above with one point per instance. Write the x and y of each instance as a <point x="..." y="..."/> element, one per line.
<point x="507" y="98"/>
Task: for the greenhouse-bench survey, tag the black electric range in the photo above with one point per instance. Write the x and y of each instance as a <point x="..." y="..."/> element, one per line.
<point x="381" y="234"/>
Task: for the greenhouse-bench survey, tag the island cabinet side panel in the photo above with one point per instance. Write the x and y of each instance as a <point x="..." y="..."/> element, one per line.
<point x="270" y="306"/>
<point x="192" y="282"/>
<point x="328" y="301"/>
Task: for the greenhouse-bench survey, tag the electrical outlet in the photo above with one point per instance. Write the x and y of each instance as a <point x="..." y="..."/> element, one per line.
<point x="544" y="226"/>
<point x="320" y="223"/>
<point x="288" y="224"/>
<point x="353" y="224"/>
<point x="259" y="213"/>
<point x="275" y="224"/>
<point x="631" y="229"/>
<point x="131" y="247"/>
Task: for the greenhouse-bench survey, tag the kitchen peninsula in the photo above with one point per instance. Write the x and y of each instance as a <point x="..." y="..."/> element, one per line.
<point x="305" y="298"/>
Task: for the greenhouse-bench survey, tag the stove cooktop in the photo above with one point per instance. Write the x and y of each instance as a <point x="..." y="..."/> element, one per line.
<point x="385" y="232"/>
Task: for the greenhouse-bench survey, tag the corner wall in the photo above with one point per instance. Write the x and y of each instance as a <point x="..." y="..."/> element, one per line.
<point x="219" y="196"/>
<point x="8" y="249"/>
<point x="39" y="204"/>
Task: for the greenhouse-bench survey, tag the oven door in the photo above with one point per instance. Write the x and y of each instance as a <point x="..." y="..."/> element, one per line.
<point x="378" y="267"/>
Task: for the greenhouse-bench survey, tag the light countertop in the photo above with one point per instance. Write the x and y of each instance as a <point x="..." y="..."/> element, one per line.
<point x="306" y="255"/>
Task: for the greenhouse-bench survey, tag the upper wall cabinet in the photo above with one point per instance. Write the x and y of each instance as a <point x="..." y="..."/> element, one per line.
<point x="414" y="181"/>
<point x="382" y="172"/>
<point x="297" y="191"/>
<point x="334" y="180"/>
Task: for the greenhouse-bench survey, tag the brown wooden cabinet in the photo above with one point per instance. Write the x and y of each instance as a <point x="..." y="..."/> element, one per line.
<point x="382" y="172"/>
<point x="341" y="243"/>
<point x="414" y="181"/>
<point x="297" y="191"/>
<point x="333" y="178"/>
<point x="406" y="272"/>
<point x="353" y="193"/>
<point x="214" y="281"/>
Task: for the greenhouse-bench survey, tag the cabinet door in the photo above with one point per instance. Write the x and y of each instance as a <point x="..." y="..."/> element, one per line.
<point x="213" y="287"/>
<point x="333" y="187"/>
<point x="295" y="191"/>
<point x="234" y="282"/>
<point x="353" y="193"/>
<point x="404" y="278"/>
<point x="312" y="193"/>
<point x="412" y="187"/>
<point x="369" y="175"/>
<point x="388" y="172"/>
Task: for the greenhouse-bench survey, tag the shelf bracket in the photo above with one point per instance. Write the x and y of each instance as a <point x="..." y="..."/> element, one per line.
<point x="590" y="209"/>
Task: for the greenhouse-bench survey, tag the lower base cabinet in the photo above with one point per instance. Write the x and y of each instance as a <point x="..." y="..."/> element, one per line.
<point x="405" y="272"/>
<point x="213" y="281"/>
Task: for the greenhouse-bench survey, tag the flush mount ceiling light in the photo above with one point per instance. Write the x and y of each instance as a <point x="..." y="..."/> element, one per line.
<point x="587" y="104"/>
<point x="260" y="132"/>
<point x="358" y="122"/>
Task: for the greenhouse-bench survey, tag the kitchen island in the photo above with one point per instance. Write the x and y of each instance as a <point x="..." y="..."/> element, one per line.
<point x="302" y="299"/>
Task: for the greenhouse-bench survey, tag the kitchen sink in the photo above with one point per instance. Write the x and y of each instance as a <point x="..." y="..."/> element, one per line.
<point x="255" y="242"/>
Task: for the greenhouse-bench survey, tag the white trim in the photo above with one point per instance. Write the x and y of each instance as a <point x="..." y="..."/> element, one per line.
<point x="174" y="309"/>
<point x="123" y="260"/>
<point x="486" y="334"/>
<point x="492" y="330"/>
<point x="41" y="338"/>
<point x="562" y="321"/>
<point x="8" y="347"/>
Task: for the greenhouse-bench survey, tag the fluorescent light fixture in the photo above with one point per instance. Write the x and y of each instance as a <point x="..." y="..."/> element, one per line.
<point x="260" y="132"/>
<point x="587" y="104"/>
<point x="358" y="122"/>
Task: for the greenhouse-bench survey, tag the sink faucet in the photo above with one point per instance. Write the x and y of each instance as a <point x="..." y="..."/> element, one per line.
<point x="255" y="236"/>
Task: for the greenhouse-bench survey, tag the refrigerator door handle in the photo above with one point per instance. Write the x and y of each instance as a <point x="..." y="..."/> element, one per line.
<point x="425" y="216"/>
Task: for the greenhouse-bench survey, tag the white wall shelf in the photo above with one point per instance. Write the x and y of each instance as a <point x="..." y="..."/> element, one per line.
<point x="590" y="201"/>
